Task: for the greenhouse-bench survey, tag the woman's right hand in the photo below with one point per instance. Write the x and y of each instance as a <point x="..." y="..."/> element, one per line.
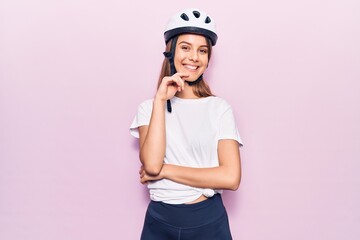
<point x="170" y="85"/>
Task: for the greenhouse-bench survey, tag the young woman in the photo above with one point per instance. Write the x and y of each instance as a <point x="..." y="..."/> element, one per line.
<point x="189" y="142"/>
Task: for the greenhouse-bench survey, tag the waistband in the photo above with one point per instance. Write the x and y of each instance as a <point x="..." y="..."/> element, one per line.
<point x="188" y="215"/>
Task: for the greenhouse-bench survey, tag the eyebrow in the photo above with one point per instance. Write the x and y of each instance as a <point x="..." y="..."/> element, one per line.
<point x="191" y="44"/>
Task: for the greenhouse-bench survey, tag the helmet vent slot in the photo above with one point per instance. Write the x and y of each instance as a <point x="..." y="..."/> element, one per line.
<point x="184" y="17"/>
<point x="196" y="14"/>
<point x="207" y="20"/>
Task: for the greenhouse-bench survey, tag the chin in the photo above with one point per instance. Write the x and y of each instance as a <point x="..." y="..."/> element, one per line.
<point x="192" y="78"/>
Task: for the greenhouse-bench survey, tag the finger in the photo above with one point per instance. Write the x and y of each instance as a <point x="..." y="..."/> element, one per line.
<point x="176" y="80"/>
<point x="181" y="74"/>
<point x="167" y="80"/>
<point x="143" y="180"/>
<point x="180" y="82"/>
<point x="175" y="77"/>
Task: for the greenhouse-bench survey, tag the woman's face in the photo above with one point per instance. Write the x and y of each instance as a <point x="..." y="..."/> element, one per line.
<point x="191" y="55"/>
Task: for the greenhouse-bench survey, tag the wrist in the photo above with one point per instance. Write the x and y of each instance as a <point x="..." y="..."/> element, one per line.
<point x="165" y="171"/>
<point x="159" y="100"/>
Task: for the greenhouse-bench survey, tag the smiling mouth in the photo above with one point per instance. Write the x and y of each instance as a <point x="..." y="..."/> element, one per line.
<point x="191" y="67"/>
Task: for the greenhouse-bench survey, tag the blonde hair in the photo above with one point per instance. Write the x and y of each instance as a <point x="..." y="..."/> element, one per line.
<point x="201" y="89"/>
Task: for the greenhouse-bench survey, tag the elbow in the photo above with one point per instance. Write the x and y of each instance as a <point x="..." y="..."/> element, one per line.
<point x="234" y="183"/>
<point x="234" y="180"/>
<point x="153" y="169"/>
<point x="234" y="186"/>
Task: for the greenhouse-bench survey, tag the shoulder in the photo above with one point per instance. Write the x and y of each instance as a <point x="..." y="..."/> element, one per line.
<point x="145" y="108"/>
<point x="146" y="104"/>
<point x="220" y="103"/>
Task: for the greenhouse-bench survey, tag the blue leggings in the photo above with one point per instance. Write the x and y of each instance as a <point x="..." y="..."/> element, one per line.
<point x="204" y="220"/>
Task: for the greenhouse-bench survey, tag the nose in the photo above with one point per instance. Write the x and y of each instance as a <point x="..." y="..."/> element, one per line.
<point x="194" y="56"/>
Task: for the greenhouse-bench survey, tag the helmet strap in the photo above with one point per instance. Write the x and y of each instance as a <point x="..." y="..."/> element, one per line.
<point x="171" y="54"/>
<point x="196" y="81"/>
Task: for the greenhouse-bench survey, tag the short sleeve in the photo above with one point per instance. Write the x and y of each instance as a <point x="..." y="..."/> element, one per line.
<point x="228" y="128"/>
<point x="142" y="117"/>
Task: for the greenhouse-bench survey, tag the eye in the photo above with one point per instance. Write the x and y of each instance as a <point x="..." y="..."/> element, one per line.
<point x="204" y="51"/>
<point x="184" y="47"/>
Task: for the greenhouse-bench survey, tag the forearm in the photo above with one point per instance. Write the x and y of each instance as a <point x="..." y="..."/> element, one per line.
<point x="152" y="150"/>
<point x="221" y="177"/>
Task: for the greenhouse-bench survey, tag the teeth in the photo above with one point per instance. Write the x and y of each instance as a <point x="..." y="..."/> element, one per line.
<point x="191" y="67"/>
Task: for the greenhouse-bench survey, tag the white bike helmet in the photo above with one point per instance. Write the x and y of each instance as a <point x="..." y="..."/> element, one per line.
<point x="191" y="21"/>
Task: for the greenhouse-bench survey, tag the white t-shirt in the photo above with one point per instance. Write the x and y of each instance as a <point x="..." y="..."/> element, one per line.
<point x="193" y="130"/>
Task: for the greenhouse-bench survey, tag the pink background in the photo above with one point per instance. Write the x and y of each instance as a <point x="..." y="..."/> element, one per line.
<point x="73" y="72"/>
